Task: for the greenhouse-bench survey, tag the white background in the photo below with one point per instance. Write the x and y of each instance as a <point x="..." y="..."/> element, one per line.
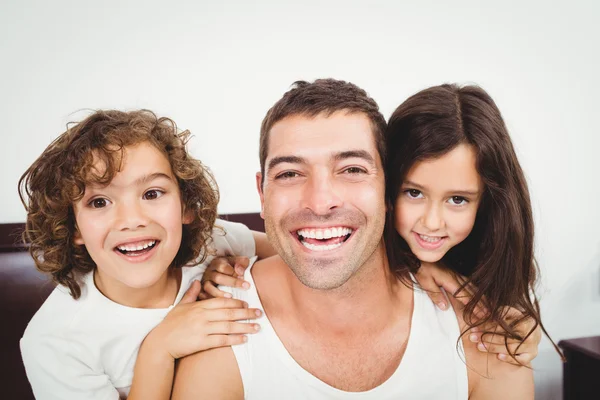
<point x="216" y="67"/>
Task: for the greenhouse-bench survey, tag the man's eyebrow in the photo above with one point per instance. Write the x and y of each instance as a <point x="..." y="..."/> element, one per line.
<point x="365" y="155"/>
<point x="454" y="192"/>
<point x="147" y="178"/>
<point x="285" y="159"/>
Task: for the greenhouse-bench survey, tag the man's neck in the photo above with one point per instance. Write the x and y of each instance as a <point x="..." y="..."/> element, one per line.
<point x="373" y="296"/>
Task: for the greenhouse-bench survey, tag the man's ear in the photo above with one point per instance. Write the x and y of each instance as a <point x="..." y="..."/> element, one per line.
<point x="259" y="187"/>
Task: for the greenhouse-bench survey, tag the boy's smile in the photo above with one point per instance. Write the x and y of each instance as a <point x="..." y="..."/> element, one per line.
<point x="132" y="228"/>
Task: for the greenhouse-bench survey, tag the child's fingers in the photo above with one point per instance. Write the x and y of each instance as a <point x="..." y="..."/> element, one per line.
<point x="232" y="314"/>
<point x="433" y="291"/>
<point x="227" y="280"/>
<point x="211" y="290"/>
<point x="221" y="302"/>
<point x="192" y="293"/>
<point x="213" y="341"/>
<point x="521" y="359"/>
<point x="231" y="328"/>
<point x="220" y="264"/>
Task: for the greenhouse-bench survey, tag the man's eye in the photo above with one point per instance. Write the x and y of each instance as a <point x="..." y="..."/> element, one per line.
<point x="354" y="170"/>
<point x="413" y="193"/>
<point x="153" y="194"/>
<point x="287" y="175"/>
<point x="99" y="202"/>
<point x="458" y="200"/>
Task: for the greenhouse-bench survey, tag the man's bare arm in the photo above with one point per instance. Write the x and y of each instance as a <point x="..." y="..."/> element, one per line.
<point x="210" y="374"/>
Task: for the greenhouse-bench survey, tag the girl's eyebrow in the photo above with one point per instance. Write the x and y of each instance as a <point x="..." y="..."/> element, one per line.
<point x="473" y="193"/>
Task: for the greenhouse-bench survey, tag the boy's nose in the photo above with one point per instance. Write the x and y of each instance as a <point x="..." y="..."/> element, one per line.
<point x="131" y="217"/>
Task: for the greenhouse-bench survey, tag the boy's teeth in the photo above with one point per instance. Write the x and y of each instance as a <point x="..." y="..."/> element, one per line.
<point x="137" y="247"/>
<point x="327" y="233"/>
<point x="430" y="239"/>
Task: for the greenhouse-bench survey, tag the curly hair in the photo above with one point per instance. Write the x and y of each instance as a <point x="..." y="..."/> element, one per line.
<point x="57" y="179"/>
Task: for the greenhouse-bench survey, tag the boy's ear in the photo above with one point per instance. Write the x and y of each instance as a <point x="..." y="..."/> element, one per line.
<point x="77" y="239"/>
<point x="259" y="187"/>
<point x="188" y="217"/>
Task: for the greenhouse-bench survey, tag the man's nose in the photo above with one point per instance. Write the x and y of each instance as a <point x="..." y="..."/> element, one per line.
<point x="321" y="195"/>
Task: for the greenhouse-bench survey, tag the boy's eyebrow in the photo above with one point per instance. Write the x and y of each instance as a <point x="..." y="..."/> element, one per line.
<point x="147" y="178"/>
<point x="455" y="192"/>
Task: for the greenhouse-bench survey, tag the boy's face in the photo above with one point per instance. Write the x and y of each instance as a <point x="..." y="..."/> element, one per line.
<point x="132" y="228"/>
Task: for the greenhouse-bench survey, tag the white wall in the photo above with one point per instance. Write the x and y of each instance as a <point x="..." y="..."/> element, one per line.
<point x="216" y="67"/>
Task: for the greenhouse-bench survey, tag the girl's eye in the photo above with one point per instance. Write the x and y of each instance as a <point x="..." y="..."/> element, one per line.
<point x="458" y="200"/>
<point x="153" y="194"/>
<point x="287" y="175"/>
<point x="99" y="202"/>
<point x="413" y="193"/>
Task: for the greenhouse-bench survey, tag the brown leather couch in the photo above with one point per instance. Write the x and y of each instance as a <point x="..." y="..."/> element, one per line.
<point x="22" y="291"/>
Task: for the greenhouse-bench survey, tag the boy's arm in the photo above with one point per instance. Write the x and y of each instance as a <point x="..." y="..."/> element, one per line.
<point x="192" y="326"/>
<point x="263" y="246"/>
<point x="211" y="374"/>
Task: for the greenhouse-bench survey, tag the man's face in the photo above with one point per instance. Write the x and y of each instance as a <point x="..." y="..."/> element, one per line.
<point x="323" y="196"/>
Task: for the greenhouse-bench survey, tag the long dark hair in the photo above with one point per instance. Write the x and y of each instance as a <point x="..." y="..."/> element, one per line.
<point x="497" y="257"/>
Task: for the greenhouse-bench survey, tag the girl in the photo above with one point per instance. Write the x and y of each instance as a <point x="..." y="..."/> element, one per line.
<point x="458" y="198"/>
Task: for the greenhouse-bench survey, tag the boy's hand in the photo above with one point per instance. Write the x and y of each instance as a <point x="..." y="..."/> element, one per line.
<point x="432" y="277"/>
<point x="226" y="271"/>
<point x="525" y="350"/>
<point x="193" y="326"/>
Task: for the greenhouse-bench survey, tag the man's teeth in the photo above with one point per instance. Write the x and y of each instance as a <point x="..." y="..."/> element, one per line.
<point x="137" y="246"/>
<point x="430" y="239"/>
<point x="327" y="233"/>
<point x="316" y="247"/>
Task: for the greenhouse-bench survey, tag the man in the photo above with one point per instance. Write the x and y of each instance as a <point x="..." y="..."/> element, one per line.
<point x="338" y="322"/>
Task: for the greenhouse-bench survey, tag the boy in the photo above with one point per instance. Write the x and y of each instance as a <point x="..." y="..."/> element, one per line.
<point x="122" y="218"/>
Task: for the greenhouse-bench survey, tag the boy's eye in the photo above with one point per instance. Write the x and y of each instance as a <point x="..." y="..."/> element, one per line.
<point x="413" y="193"/>
<point x="100" y="202"/>
<point x="458" y="200"/>
<point x="153" y="194"/>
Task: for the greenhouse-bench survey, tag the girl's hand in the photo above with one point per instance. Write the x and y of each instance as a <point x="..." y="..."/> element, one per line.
<point x="226" y="271"/>
<point x="193" y="326"/>
<point x="525" y="350"/>
<point x="432" y="277"/>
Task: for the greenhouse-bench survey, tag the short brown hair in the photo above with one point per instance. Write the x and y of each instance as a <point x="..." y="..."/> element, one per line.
<point x="323" y="96"/>
<point x="58" y="178"/>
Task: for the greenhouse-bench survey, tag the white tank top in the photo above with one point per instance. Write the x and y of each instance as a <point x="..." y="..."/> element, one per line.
<point x="432" y="366"/>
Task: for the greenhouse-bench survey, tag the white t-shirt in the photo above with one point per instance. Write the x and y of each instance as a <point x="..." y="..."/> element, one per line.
<point x="432" y="366"/>
<point x="86" y="348"/>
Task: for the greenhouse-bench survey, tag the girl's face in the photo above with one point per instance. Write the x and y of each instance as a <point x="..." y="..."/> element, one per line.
<point x="438" y="202"/>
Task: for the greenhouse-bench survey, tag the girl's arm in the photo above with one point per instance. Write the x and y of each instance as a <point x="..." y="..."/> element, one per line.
<point x="190" y="327"/>
<point x="432" y="277"/>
